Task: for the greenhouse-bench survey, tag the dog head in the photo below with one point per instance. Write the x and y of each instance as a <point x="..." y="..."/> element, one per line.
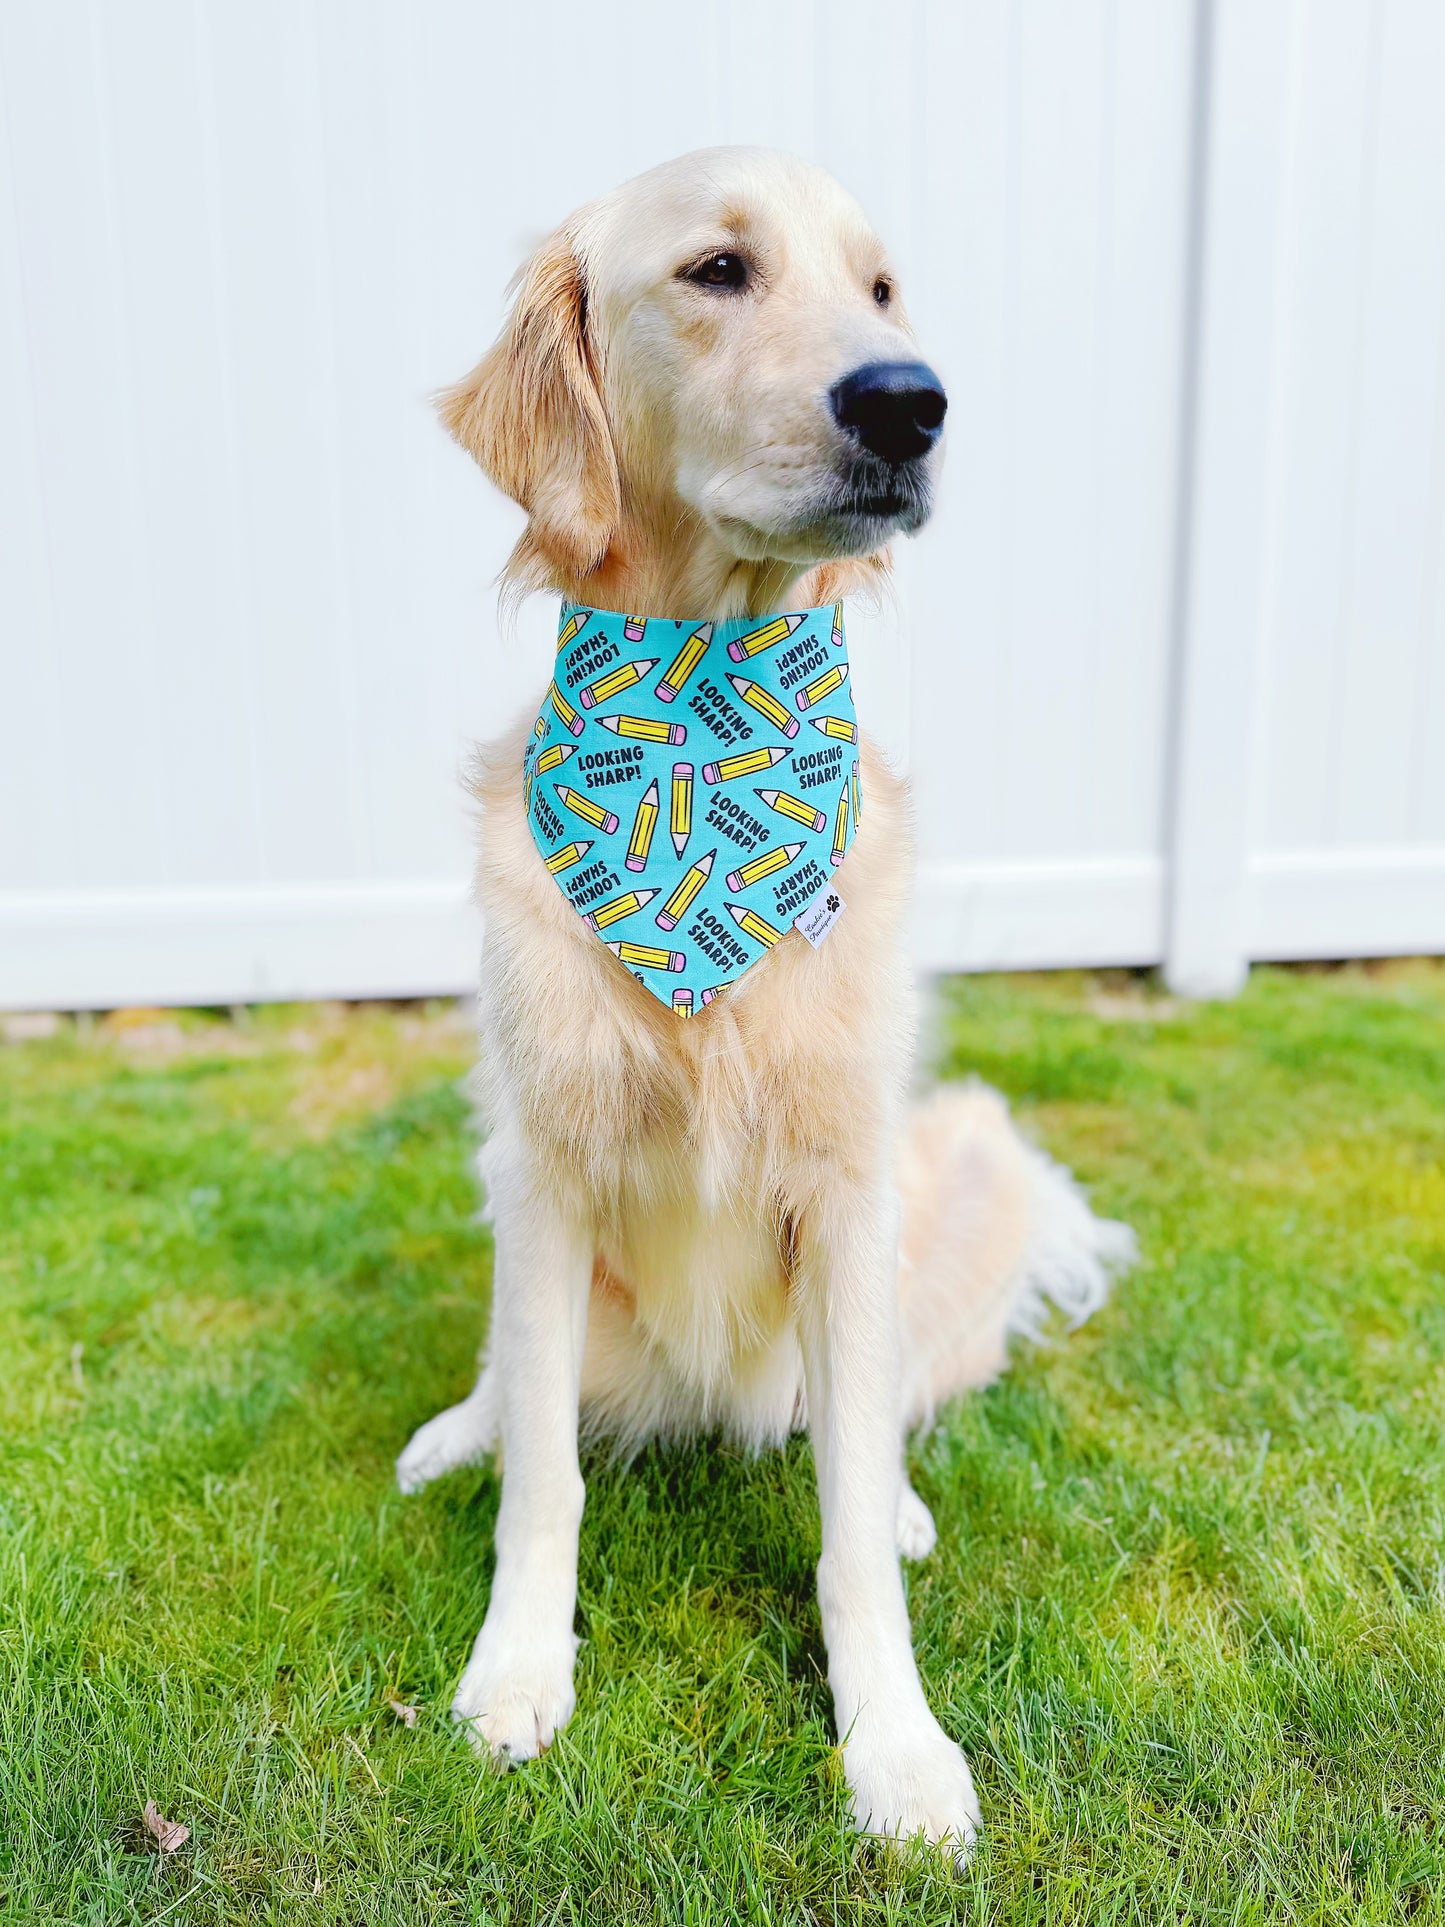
<point x="719" y="345"/>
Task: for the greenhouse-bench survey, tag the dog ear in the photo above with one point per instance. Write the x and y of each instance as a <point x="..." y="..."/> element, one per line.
<point x="532" y="415"/>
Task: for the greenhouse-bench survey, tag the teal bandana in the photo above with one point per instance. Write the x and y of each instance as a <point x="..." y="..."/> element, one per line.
<point x="693" y="788"/>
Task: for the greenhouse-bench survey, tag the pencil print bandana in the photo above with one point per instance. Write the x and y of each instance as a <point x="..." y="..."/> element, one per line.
<point x="693" y="787"/>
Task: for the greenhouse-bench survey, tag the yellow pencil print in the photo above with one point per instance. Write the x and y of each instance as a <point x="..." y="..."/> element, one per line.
<point x="838" y="727"/>
<point x="794" y="807"/>
<point x="758" y="867"/>
<point x="645" y="729"/>
<point x="616" y="908"/>
<point x="675" y="676"/>
<point x="682" y="1001"/>
<point x="771" y="633"/>
<point x="681" y="814"/>
<point x="648" y="956"/>
<point x="643" y="824"/>
<point x="552" y="755"/>
<point x="615" y="681"/>
<point x="857" y="797"/>
<point x="766" y="704"/>
<point x="747" y="762"/>
<point x="577" y="621"/>
<point x="752" y="925"/>
<point x="840" y="827"/>
<point x="814" y="691"/>
<point x="713" y="990"/>
<point x="539" y="728"/>
<point x="584" y="807"/>
<point x="837" y="625"/>
<point x="565" y="712"/>
<point x="634" y="628"/>
<point x="564" y="858"/>
<point x="688" y="884"/>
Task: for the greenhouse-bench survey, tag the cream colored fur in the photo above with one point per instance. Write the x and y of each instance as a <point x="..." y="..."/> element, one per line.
<point x="732" y="1223"/>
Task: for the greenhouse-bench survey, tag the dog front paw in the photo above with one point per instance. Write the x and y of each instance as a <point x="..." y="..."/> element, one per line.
<point x="909" y="1780"/>
<point x="514" y="1697"/>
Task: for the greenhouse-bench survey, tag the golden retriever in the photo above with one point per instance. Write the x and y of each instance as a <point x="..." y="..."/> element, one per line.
<point x="731" y="1223"/>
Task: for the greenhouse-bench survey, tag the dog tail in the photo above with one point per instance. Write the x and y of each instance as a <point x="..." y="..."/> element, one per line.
<point x="995" y="1236"/>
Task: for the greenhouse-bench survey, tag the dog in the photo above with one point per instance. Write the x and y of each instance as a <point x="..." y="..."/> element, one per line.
<point x="708" y="402"/>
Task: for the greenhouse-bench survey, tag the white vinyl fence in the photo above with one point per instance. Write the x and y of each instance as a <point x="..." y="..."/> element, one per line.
<point x="1181" y="263"/>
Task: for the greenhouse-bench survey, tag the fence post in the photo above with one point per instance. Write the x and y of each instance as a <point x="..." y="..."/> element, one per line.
<point x="1242" y="106"/>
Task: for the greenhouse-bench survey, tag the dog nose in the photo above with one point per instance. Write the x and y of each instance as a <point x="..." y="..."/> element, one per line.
<point x="894" y="408"/>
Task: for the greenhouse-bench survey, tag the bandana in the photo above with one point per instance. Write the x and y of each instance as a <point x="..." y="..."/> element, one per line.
<point x="693" y="787"/>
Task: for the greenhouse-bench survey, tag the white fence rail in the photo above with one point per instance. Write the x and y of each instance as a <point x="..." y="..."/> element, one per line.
<point x="1181" y="263"/>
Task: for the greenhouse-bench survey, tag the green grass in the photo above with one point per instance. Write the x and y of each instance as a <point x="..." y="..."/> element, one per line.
<point x="1187" y="1614"/>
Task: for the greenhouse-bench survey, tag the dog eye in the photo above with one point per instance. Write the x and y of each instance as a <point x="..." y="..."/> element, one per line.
<point x="719" y="271"/>
<point x="882" y="292"/>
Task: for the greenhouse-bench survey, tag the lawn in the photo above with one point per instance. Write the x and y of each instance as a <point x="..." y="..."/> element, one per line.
<point x="1187" y="1613"/>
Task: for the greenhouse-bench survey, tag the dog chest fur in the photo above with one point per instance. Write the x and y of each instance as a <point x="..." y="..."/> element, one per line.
<point x="691" y="1147"/>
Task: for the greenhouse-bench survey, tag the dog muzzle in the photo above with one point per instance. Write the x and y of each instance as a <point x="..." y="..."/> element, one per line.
<point x="693" y="788"/>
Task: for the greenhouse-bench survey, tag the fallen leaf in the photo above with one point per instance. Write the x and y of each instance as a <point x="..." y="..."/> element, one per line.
<point x="132" y="1017"/>
<point x="169" y="1834"/>
<point x="406" y="1714"/>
